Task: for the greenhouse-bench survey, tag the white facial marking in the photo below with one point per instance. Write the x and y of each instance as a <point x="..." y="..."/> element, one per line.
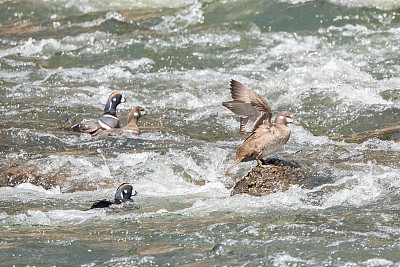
<point x="136" y="114"/>
<point x="114" y="99"/>
<point x="288" y="119"/>
<point x="281" y="117"/>
<point x="125" y="191"/>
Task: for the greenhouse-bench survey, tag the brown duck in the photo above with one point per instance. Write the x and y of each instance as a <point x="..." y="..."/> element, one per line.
<point x="255" y="119"/>
<point x="131" y="127"/>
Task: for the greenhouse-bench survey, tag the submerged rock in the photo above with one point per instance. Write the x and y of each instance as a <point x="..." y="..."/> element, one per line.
<point x="12" y="174"/>
<point x="275" y="175"/>
<point x="388" y="133"/>
<point x="15" y="173"/>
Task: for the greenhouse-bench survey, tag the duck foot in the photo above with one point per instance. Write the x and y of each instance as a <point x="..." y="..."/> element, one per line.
<point x="261" y="164"/>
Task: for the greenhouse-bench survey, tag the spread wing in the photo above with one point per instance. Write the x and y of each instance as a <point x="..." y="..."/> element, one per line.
<point x="252" y="108"/>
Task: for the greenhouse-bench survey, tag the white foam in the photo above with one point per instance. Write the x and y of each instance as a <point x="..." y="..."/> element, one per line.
<point x="79" y="168"/>
<point x="355" y="190"/>
<point x="33" y="47"/>
<point x="54" y="217"/>
<point x="87" y="6"/>
<point x="304" y="138"/>
<point x="380" y="4"/>
<point x="285" y="259"/>
<point x="39" y="189"/>
<point x="377" y="262"/>
<point x="192" y="14"/>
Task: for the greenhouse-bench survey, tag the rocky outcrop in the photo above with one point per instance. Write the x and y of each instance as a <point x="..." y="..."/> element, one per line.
<point x="275" y="175"/>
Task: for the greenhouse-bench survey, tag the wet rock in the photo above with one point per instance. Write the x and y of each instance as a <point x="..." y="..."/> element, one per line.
<point x="15" y="173"/>
<point x="12" y="174"/>
<point x="387" y="133"/>
<point x="275" y="175"/>
<point x="4" y="166"/>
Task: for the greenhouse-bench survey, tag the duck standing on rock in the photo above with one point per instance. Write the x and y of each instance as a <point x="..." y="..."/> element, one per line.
<point x="255" y="119"/>
<point x="131" y="127"/>
<point x="108" y="121"/>
<point x="122" y="199"/>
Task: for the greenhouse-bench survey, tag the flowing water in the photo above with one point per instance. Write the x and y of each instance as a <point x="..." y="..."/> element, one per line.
<point x="334" y="64"/>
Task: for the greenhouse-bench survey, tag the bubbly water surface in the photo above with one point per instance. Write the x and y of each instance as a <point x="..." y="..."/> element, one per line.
<point x="334" y="64"/>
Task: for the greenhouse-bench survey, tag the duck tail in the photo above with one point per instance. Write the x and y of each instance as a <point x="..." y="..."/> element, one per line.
<point x="76" y="128"/>
<point x="236" y="162"/>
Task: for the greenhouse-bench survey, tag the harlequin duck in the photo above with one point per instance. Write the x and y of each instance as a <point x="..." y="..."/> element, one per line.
<point x="108" y="121"/>
<point x="131" y="127"/>
<point x="122" y="199"/>
<point x="255" y="119"/>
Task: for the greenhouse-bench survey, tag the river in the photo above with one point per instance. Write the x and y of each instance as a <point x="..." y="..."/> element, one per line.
<point x="333" y="63"/>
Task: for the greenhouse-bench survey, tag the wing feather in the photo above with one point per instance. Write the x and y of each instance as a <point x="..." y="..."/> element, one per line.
<point x="252" y="108"/>
<point x="86" y="126"/>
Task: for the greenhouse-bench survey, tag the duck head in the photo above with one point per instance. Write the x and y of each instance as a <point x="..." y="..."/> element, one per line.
<point x="284" y="118"/>
<point x="123" y="193"/>
<point x="136" y="113"/>
<point x="112" y="102"/>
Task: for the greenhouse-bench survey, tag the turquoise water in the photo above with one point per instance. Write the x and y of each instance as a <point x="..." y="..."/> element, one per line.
<point x="334" y="64"/>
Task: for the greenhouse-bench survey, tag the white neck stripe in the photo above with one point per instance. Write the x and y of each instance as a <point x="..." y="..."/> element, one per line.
<point x="105" y="126"/>
<point x="110" y="116"/>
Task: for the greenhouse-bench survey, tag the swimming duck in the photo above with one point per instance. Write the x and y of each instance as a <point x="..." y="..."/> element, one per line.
<point x="122" y="199"/>
<point x="131" y="127"/>
<point x="255" y="119"/>
<point x="108" y="121"/>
